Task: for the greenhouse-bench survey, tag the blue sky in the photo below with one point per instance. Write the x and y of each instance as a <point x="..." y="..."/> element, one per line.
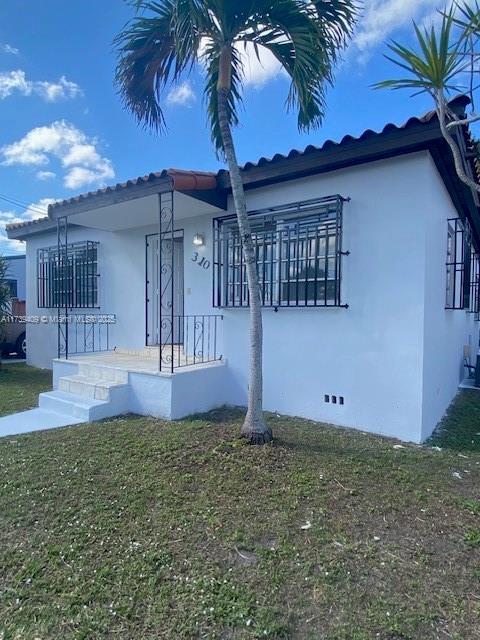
<point x="64" y="131"/>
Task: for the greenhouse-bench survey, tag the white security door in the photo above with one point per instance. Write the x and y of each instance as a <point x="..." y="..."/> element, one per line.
<point x="159" y="303"/>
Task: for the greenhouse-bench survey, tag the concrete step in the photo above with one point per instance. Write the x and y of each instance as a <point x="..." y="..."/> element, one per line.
<point x="102" y="373"/>
<point x="70" y="404"/>
<point x="85" y="409"/>
<point x="87" y="387"/>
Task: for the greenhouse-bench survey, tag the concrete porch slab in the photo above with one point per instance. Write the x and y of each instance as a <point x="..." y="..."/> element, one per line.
<point x="141" y="361"/>
<point x="34" y="420"/>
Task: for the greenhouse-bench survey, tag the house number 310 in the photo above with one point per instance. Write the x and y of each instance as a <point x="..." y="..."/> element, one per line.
<point x="201" y="262"/>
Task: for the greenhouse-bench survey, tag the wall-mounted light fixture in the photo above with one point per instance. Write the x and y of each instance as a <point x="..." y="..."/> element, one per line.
<point x="198" y="240"/>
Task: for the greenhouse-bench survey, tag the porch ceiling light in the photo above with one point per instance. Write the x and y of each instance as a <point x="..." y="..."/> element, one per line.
<point x="198" y="240"/>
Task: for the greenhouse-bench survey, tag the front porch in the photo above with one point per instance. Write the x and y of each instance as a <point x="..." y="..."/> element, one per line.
<point x="101" y="385"/>
<point x="186" y="342"/>
<point x="130" y="286"/>
<point x="127" y="288"/>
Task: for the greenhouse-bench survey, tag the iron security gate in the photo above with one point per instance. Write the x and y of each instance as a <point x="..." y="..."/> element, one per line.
<point x="159" y="283"/>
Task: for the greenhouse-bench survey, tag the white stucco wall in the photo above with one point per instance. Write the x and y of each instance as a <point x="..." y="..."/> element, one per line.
<point x="121" y="257"/>
<point x="372" y="353"/>
<point x="41" y="338"/>
<point x="396" y="354"/>
<point x="446" y="331"/>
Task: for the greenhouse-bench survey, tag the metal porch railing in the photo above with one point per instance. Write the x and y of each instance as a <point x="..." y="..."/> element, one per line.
<point x="81" y="333"/>
<point x="188" y="340"/>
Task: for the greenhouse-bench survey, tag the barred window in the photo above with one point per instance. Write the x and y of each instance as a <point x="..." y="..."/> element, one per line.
<point x="68" y="278"/>
<point x="298" y="251"/>
<point x="462" y="268"/>
<point x="12" y="287"/>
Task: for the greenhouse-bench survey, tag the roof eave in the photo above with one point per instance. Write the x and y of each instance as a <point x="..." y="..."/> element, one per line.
<point x="109" y="197"/>
<point x="23" y="231"/>
<point x="359" y="151"/>
<point x="378" y="146"/>
<point x="199" y="185"/>
<point x="463" y="198"/>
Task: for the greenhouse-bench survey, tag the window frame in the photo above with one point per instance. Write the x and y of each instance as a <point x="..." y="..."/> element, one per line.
<point x="288" y="243"/>
<point x="79" y="287"/>
<point x="462" y="287"/>
<point x="12" y="284"/>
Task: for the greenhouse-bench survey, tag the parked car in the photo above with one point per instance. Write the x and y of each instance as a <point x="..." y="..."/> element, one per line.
<point x="12" y="331"/>
<point x="13" y="338"/>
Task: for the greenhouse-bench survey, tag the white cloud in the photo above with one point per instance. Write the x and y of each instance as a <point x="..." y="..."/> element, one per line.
<point x="61" y="140"/>
<point x="79" y="176"/>
<point x="37" y="210"/>
<point x="8" y="245"/>
<point x="81" y="153"/>
<point x="53" y="91"/>
<point x="16" y="82"/>
<point x="182" y="94"/>
<point x="11" y="81"/>
<point x="257" y="70"/>
<point x="381" y="18"/>
<point x="33" y="149"/>
<point x="32" y="212"/>
<point x="7" y="48"/>
<point x="45" y="175"/>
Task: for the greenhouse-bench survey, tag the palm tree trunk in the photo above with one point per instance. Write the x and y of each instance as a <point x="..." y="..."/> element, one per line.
<point x="254" y="428"/>
<point x="457" y="156"/>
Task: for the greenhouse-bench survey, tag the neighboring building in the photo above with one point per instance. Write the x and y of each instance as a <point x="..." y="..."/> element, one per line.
<point x="16" y="276"/>
<point x="367" y="253"/>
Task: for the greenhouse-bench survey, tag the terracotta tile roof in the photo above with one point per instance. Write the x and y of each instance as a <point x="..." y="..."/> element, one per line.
<point x="459" y="102"/>
<point x="28" y="223"/>
<point x="182" y="181"/>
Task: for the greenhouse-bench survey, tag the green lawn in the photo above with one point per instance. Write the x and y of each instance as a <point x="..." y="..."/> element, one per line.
<point x="138" y="529"/>
<point x="20" y="386"/>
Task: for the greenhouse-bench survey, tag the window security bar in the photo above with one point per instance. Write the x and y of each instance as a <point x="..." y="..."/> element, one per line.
<point x="68" y="279"/>
<point x="298" y="251"/>
<point x="462" y="268"/>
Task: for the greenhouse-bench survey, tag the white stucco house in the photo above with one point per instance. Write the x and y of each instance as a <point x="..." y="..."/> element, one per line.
<point x="368" y="260"/>
<point x="16" y="276"/>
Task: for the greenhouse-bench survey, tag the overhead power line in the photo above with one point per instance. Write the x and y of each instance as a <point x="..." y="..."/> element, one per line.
<point x="25" y="206"/>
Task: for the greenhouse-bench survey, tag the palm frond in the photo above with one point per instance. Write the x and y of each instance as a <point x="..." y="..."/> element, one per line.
<point x="212" y="54"/>
<point x="149" y="58"/>
<point x="305" y="37"/>
<point x="162" y="42"/>
<point x="191" y="20"/>
<point x="338" y="17"/>
<point x="468" y="18"/>
<point x="433" y="65"/>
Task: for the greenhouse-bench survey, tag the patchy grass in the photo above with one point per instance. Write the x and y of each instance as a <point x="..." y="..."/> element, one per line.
<point x="460" y="430"/>
<point x="20" y="386"/>
<point x="137" y="528"/>
<point x="473" y="536"/>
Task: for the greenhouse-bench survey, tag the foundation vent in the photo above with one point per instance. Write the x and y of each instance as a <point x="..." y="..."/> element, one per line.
<point x="334" y="399"/>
